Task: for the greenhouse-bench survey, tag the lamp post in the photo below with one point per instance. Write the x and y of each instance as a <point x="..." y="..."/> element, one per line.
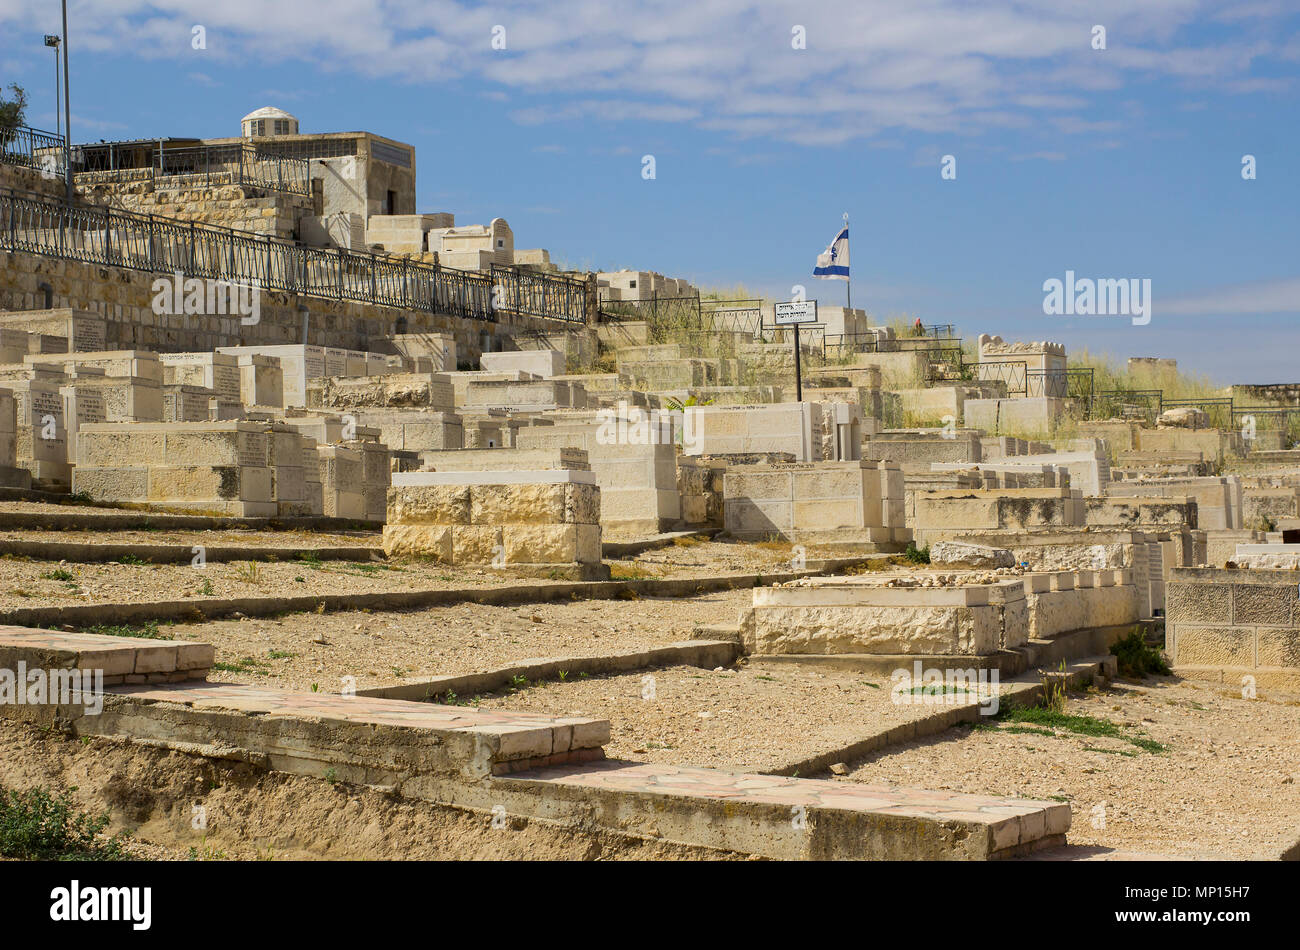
<point x="53" y="40"/>
<point x="67" y="110"/>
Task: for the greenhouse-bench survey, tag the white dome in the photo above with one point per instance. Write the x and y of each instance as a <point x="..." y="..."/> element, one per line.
<point x="268" y="112"/>
<point x="268" y="121"/>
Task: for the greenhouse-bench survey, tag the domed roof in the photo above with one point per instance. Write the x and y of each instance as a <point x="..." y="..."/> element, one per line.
<point x="269" y="112"/>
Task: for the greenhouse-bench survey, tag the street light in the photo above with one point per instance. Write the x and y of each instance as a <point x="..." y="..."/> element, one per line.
<point x="52" y="40"/>
<point x="67" y="110"/>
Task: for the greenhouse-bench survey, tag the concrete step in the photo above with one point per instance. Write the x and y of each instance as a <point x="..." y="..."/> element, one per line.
<point x="797" y="819"/>
<point x="119" y="660"/>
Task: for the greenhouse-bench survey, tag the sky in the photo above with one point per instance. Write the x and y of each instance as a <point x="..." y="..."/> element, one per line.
<point x="1113" y="156"/>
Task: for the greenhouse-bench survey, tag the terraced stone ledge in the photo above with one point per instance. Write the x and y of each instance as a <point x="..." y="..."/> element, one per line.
<point x="121" y="660"/>
<point x="538" y="767"/>
<point x="797" y="819"/>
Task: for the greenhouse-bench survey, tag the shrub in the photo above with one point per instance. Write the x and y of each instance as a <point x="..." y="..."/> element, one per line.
<point x="1136" y="659"/>
<point x="37" y="826"/>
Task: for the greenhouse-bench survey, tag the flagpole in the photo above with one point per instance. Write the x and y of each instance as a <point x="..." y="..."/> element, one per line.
<point x="848" y="281"/>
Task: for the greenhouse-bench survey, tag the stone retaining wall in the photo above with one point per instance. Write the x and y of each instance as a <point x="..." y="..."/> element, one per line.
<point x="1232" y="624"/>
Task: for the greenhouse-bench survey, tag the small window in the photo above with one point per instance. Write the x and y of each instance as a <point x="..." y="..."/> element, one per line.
<point x="501" y="243"/>
<point x="631" y="285"/>
<point x="281" y="126"/>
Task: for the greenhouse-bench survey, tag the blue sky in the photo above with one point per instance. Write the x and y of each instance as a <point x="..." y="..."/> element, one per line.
<point x="1123" y="162"/>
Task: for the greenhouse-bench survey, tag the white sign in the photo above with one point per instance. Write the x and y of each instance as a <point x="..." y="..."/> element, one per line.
<point x="796" y="311"/>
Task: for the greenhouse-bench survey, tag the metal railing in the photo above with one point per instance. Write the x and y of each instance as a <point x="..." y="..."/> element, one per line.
<point x="229" y="164"/>
<point x="837" y="346"/>
<point x="1218" y="409"/>
<point x="654" y="309"/>
<point x="1061" y="384"/>
<point x="1129" y="404"/>
<point x="945" y="363"/>
<point x="940" y="331"/>
<point x="1277" y="417"/>
<point x="733" y="316"/>
<point x="32" y="148"/>
<point x="551" y="296"/>
<point x="1011" y="372"/>
<point x="100" y="235"/>
<point x="689" y="314"/>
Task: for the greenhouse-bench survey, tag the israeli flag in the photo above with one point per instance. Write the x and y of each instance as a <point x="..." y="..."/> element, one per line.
<point x="833" y="263"/>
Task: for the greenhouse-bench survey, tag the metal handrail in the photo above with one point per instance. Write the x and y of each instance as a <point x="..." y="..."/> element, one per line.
<point x="28" y="147"/>
<point x="100" y="235"/>
<point x="224" y="164"/>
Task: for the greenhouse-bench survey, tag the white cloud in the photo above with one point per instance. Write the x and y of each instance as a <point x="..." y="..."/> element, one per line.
<point x="871" y="67"/>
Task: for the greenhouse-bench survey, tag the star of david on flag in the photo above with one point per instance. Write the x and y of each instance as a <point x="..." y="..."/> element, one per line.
<point x="833" y="263"/>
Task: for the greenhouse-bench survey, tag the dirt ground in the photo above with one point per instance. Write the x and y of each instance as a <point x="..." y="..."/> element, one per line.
<point x="743" y="718"/>
<point x="1220" y="781"/>
<point x="32" y="583"/>
<point x="241" y="537"/>
<point x="254" y="815"/>
<point x="1228" y="784"/>
<point x="386" y="647"/>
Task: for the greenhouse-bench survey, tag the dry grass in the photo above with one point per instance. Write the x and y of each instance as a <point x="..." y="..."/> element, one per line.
<point x="1109" y="373"/>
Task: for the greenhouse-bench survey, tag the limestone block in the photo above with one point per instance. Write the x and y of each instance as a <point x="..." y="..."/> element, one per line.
<point x="1215" y="646"/>
<point x="974" y="555"/>
<point x="477" y="544"/>
<point x="342" y="504"/>
<point x="541" y="543"/>
<point x="914" y="629"/>
<point x="429" y="504"/>
<point x="1277" y="647"/>
<point x="419" y="540"/>
<point x="103" y="447"/>
<point x="1263" y="604"/>
<point x="543" y="363"/>
<point x="288" y="483"/>
<point x="582" y="504"/>
<point x="41" y="444"/>
<point x="523" y="504"/>
<point x="112" y="484"/>
<point x="200" y="482"/>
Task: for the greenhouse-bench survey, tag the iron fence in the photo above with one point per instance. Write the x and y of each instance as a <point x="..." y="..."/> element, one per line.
<point x="1266" y="418"/>
<point x="945" y="363"/>
<point x="32" y="148"/>
<point x="551" y="296"/>
<point x="1011" y="372"/>
<point x="655" y="310"/>
<point x="101" y="235"/>
<point x="1060" y="384"/>
<point x="837" y="346"/>
<point x="226" y="164"/>
<point x="733" y="316"/>
<point x="1218" y="410"/>
<point x="1251" y="420"/>
<point x="1130" y="404"/>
